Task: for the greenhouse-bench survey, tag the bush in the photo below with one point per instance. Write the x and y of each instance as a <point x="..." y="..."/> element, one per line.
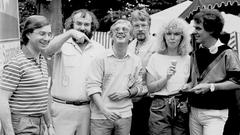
<point x="26" y="9"/>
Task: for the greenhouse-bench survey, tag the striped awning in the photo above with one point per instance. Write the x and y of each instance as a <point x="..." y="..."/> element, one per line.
<point x="234" y="40"/>
<point x="210" y="4"/>
<point x="103" y="38"/>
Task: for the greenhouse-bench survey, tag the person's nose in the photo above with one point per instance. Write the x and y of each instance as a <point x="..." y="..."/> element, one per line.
<point x="82" y="27"/>
<point x="48" y="37"/>
<point x="141" y="27"/>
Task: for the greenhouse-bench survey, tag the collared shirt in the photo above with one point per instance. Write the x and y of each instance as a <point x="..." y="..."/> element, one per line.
<point x="206" y="55"/>
<point x="144" y="52"/>
<point x="28" y="81"/>
<point x="109" y="74"/>
<point x="110" y="53"/>
<point x="70" y="68"/>
<point x="214" y="68"/>
<point x="213" y="49"/>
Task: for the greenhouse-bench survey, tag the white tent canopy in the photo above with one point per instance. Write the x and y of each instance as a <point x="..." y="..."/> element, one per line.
<point x="169" y="13"/>
<point x="232" y="23"/>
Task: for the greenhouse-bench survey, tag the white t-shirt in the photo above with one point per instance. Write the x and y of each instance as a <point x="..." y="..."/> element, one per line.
<point x="158" y="66"/>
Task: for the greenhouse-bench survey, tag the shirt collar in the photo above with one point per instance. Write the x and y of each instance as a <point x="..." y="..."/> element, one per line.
<point x="213" y="49"/>
<point x="110" y="53"/>
<point x="28" y="54"/>
<point x="71" y="41"/>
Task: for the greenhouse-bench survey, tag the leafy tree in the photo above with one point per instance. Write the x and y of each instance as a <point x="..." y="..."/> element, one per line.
<point x="26" y="9"/>
<point x="107" y="11"/>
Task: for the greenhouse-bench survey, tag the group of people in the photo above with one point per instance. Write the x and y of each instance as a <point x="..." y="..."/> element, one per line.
<point x="166" y="85"/>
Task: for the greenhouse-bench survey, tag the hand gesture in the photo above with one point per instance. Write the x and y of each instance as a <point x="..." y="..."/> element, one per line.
<point x="113" y="116"/>
<point x="117" y="96"/>
<point x="200" y="88"/>
<point x="171" y="71"/>
<point x="79" y="37"/>
<point x="183" y="107"/>
<point x="185" y="87"/>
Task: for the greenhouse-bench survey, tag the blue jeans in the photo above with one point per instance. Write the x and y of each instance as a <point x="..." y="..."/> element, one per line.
<point x="166" y="118"/>
<point x="106" y="127"/>
<point x="28" y="125"/>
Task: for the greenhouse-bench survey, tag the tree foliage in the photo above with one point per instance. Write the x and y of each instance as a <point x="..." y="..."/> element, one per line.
<point x="107" y="11"/>
<point x="26" y="9"/>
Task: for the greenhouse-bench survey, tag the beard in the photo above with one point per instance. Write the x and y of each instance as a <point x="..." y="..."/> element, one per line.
<point x="89" y="34"/>
<point x="141" y="37"/>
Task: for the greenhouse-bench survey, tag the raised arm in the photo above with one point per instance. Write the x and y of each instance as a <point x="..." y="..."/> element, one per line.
<point x="57" y="42"/>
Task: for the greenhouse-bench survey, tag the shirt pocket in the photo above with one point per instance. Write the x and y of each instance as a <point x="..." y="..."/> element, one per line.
<point x="158" y="104"/>
<point x="69" y="58"/>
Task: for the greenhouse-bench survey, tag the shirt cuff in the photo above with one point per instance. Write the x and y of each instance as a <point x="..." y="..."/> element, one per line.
<point x="94" y="90"/>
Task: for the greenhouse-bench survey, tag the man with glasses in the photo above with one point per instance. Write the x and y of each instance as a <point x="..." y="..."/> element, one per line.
<point x="113" y="79"/>
<point x="143" y="47"/>
<point x="73" y="52"/>
<point x="24" y="83"/>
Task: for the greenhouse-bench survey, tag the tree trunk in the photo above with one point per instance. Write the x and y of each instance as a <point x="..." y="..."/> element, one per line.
<point x="52" y="9"/>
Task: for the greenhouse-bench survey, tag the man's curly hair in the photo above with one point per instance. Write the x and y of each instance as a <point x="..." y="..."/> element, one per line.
<point x="69" y="22"/>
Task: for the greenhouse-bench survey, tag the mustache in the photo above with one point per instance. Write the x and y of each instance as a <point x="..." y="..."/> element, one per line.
<point x="141" y="33"/>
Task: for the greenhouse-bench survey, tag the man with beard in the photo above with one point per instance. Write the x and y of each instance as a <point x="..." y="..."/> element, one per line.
<point x="73" y="52"/>
<point x="143" y="47"/>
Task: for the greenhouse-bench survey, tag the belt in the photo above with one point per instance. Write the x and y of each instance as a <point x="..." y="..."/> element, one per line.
<point x="38" y="115"/>
<point x="35" y="115"/>
<point x="76" y="103"/>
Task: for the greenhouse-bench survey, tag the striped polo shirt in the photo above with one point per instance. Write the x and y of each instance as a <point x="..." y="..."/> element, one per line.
<point x="28" y="81"/>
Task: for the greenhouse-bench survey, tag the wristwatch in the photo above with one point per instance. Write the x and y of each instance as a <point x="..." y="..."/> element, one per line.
<point x="212" y="87"/>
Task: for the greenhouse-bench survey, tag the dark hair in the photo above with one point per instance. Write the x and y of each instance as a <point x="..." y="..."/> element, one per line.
<point x="212" y="21"/>
<point x="30" y="24"/>
<point x="94" y="24"/>
<point x="224" y="37"/>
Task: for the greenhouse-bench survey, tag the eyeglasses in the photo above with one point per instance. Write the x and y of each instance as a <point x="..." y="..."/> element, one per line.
<point x="138" y="26"/>
<point x="124" y="29"/>
<point x="43" y="34"/>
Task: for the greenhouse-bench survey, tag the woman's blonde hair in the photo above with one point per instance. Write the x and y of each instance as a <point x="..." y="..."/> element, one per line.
<point x="181" y="26"/>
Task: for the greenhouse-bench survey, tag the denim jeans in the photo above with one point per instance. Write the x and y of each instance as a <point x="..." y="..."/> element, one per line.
<point x="106" y="127"/>
<point x="28" y="125"/>
<point x="166" y="119"/>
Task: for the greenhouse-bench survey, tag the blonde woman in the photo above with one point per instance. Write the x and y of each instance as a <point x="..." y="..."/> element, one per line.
<point x="167" y="71"/>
